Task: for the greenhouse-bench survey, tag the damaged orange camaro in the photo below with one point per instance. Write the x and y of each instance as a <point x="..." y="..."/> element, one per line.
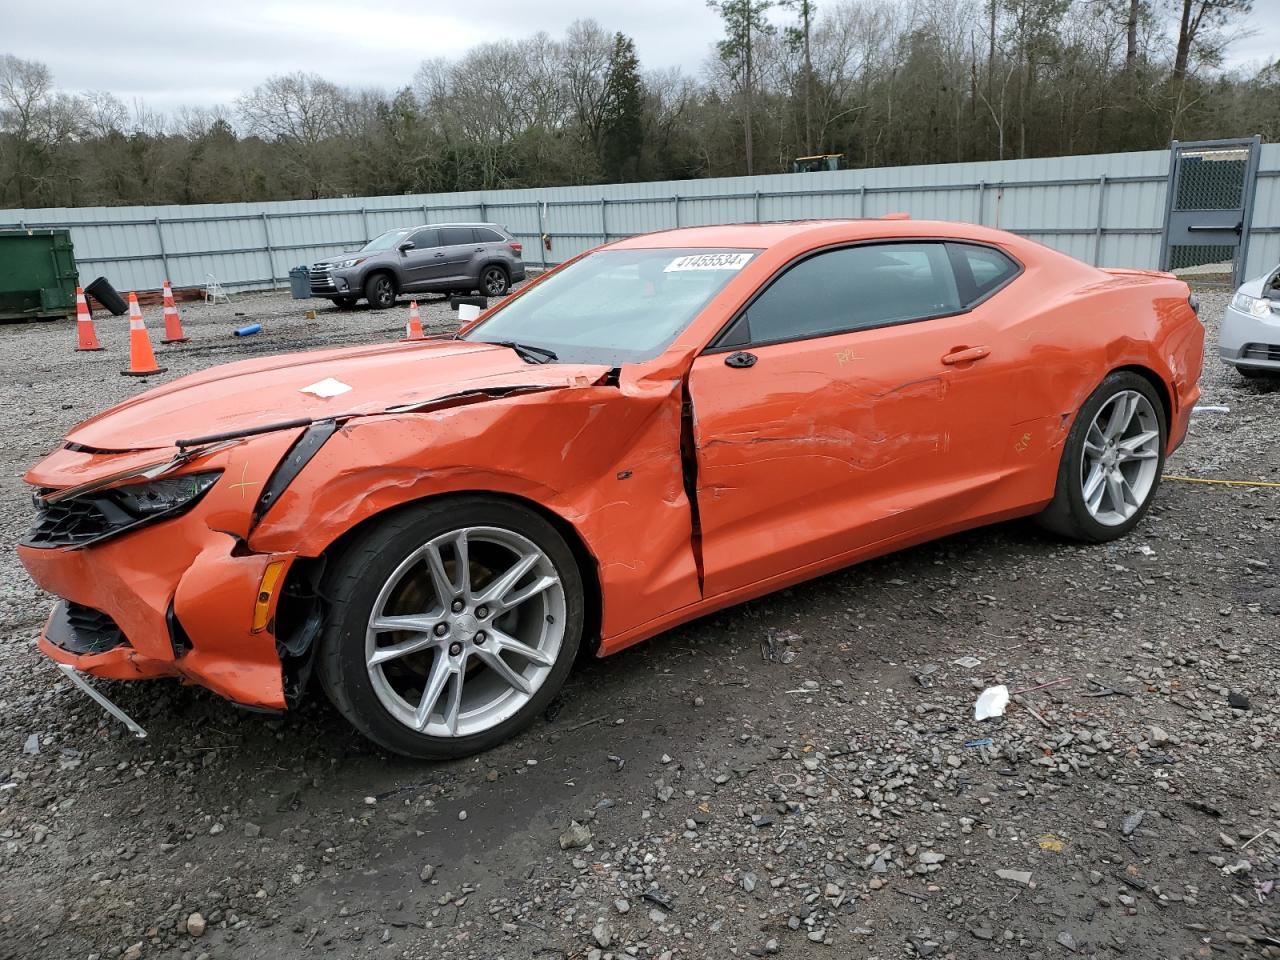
<point x="660" y="428"/>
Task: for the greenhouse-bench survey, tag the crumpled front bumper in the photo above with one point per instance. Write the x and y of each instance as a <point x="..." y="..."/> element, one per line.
<point x="182" y="595"/>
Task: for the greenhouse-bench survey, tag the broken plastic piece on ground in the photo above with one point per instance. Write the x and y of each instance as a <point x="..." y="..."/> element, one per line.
<point x="1041" y="686"/>
<point x="32" y="744"/>
<point x="991" y="703"/>
<point x="467" y="312"/>
<point x="967" y="662"/>
<point x="1210" y="408"/>
<point x="773" y="652"/>
<point x="249" y="331"/>
<point x="984" y="742"/>
<point x="73" y="675"/>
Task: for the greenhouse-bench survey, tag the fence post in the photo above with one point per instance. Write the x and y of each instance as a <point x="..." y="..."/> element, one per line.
<point x="757" y="206"/>
<point x="164" y="255"/>
<point x="426" y="214"/>
<point x="676" y="198"/>
<point x="982" y="200"/>
<point x="364" y="219"/>
<point x="604" y="225"/>
<point x="1097" y="232"/>
<point x="862" y="200"/>
<point x="271" y="260"/>
<point x="484" y="211"/>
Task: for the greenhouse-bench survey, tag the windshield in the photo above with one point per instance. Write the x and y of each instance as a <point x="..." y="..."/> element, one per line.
<point x="614" y="306"/>
<point x="386" y="241"/>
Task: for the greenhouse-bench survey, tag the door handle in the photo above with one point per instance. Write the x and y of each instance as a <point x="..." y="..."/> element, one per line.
<point x="740" y="359"/>
<point x="440" y="254"/>
<point x="965" y="354"/>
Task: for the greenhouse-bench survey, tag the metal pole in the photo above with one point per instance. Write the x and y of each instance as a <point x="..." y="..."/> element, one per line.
<point x="1102" y="208"/>
<point x="271" y="260"/>
<point x="604" y="225"/>
<point x="862" y="200"/>
<point x="757" y="206"/>
<point x="364" y="219"/>
<point x="164" y="256"/>
<point x="676" y="198"/>
<point x="426" y="214"/>
<point x="982" y="200"/>
<point x="484" y="210"/>
<point x="1169" y="190"/>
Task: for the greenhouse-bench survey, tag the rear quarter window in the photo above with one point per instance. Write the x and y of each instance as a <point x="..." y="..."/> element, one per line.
<point x="981" y="271"/>
<point x="451" y="236"/>
<point x="485" y="235"/>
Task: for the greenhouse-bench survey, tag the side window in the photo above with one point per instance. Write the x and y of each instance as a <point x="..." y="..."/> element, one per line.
<point x="450" y="236"/>
<point x="485" y="235"/>
<point x="981" y="270"/>
<point x="426" y="239"/>
<point x="855" y="288"/>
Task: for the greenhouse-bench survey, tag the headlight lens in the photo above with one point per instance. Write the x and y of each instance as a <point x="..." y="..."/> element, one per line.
<point x="1251" y="305"/>
<point x="162" y="496"/>
<point x="353" y="262"/>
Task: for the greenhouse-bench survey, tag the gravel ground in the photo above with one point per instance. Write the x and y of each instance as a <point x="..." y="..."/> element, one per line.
<point x="800" y="775"/>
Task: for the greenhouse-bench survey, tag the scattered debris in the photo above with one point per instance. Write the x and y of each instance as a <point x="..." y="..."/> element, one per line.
<point x="967" y="662"/>
<point x="991" y="703"/>
<point x="576" y="836"/>
<point x="1017" y="876"/>
<point x="1132" y="822"/>
<point x="32" y="745"/>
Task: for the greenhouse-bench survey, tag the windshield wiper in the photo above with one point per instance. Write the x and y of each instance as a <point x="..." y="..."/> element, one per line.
<point x="529" y="354"/>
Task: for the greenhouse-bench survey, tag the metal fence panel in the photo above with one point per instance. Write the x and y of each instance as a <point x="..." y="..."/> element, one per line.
<point x="1105" y="209"/>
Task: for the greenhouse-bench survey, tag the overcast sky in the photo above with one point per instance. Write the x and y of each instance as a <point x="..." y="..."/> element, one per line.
<point x="204" y="53"/>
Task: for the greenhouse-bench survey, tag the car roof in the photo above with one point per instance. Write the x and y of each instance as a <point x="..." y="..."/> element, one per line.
<point x="468" y="223"/>
<point x="764" y="235"/>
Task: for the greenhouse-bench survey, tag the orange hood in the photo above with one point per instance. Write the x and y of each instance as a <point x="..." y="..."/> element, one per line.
<point x="270" y="390"/>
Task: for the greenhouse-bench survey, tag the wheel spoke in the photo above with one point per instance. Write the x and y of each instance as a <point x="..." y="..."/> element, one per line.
<point x="1122" y="411"/>
<point x="494" y="662"/>
<point x="402" y="649"/>
<point x="441" y="671"/>
<point x="1093" y="487"/>
<point x="1094" y="441"/>
<point x="499" y="588"/>
<point x="1130" y="498"/>
<point x="453" y="702"/>
<point x="511" y="601"/>
<point x="1115" y="493"/>
<point x="1133" y="448"/>
<point x="508" y="642"/>
<point x="411" y="623"/>
<point x="439" y="579"/>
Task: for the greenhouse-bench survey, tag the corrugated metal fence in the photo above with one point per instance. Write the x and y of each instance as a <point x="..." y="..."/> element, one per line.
<point x="1107" y="209"/>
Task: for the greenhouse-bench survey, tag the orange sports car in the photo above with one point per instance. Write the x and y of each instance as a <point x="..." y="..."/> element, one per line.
<point x="657" y="429"/>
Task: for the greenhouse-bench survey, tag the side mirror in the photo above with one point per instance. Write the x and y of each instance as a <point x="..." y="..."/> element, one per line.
<point x="407" y="245"/>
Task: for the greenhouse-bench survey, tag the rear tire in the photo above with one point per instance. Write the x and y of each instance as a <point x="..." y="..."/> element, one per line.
<point x="1111" y="463"/>
<point x="408" y="653"/>
<point x="494" y="281"/>
<point x="380" y="291"/>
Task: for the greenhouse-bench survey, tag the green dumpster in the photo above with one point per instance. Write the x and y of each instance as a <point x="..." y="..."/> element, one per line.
<point x="37" y="274"/>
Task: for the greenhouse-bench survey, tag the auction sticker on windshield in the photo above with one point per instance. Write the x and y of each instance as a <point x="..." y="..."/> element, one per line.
<point x="708" y="261"/>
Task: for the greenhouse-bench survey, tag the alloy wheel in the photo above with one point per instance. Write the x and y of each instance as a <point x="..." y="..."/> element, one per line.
<point x="465" y="631"/>
<point x="1120" y="458"/>
<point x="495" y="281"/>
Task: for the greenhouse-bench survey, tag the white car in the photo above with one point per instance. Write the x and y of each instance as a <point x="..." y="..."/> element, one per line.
<point x="1250" y="335"/>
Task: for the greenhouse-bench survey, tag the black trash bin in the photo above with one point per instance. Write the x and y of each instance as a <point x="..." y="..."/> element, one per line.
<point x="300" y="282"/>
<point x="102" y="291"/>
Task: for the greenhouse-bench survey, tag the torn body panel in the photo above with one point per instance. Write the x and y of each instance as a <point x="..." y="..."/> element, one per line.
<point x="603" y="459"/>
<point x="137" y="579"/>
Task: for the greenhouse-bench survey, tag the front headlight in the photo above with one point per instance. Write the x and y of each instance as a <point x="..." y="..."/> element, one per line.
<point x="353" y="262"/>
<point x="1252" y="306"/>
<point x="145" y="500"/>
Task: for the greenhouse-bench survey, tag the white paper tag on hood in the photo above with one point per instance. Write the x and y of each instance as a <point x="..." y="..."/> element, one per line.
<point x="328" y="387"/>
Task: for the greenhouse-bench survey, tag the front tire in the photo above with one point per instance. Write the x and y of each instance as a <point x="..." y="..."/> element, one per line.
<point x="1111" y="463"/>
<point x="452" y="626"/>
<point x="380" y="291"/>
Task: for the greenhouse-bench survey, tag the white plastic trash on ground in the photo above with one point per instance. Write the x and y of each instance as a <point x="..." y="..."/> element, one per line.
<point x="991" y="703"/>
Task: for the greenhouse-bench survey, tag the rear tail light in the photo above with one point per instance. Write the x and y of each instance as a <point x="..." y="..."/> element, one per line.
<point x="516" y="246"/>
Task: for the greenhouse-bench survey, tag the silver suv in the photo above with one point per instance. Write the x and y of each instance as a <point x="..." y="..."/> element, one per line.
<point x="443" y="257"/>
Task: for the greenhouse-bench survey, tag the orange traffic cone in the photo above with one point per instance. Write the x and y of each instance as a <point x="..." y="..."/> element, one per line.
<point x="88" y="337"/>
<point x="413" y="329"/>
<point x="142" y="360"/>
<point x="172" y="322"/>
